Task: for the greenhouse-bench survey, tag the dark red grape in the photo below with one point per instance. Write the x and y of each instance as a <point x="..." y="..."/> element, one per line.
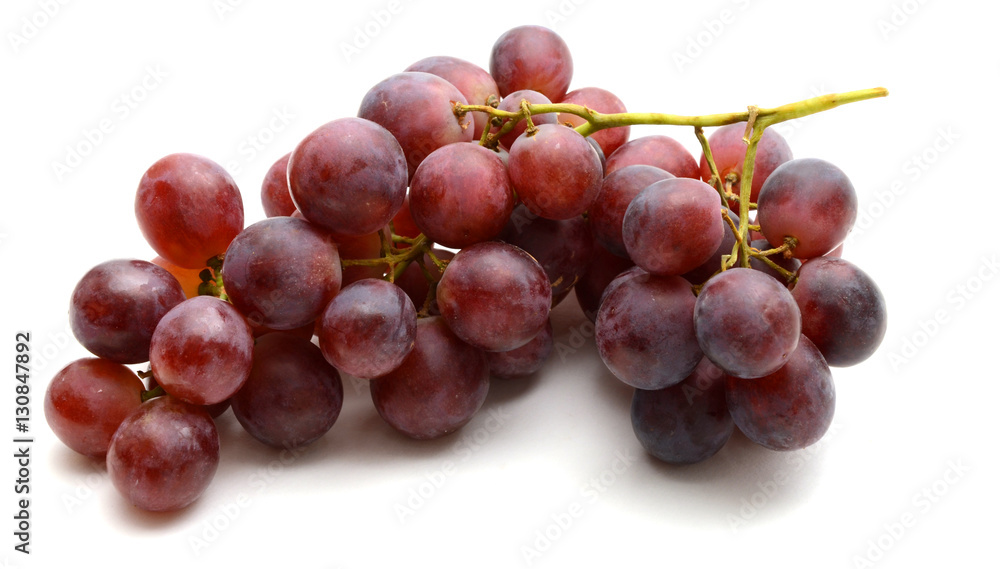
<point x="687" y="422"/>
<point x="523" y="361"/>
<point x="789" y="409"/>
<point x="512" y="103"/>
<point x="115" y="308"/>
<point x="811" y="200"/>
<point x="602" y="101"/>
<point x="475" y="84"/>
<point x="164" y="455"/>
<point x="202" y="351"/>
<point x="713" y="265"/>
<point x="617" y="192"/>
<point x="656" y="150"/>
<point x="604" y="266"/>
<point x="292" y="397"/>
<point x="532" y="57"/>
<point x="188" y="208"/>
<point x="747" y="323"/>
<point x="673" y="226"/>
<point x="274" y="192"/>
<point x="645" y="331"/>
<point x="439" y="386"/>
<point x="348" y="176"/>
<point x="843" y="310"/>
<point x="729" y="152"/>
<point x="86" y="402"/>
<point x="281" y="272"/>
<point x="368" y="328"/>
<point x="495" y="296"/>
<point x="417" y="108"/>
<point x="555" y="172"/>
<point x="461" y="195"/>
<point x="563" y="248"/>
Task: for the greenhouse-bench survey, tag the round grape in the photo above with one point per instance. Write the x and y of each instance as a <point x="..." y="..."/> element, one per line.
<point x="555" y="171"/>
<point x="532" y="57"/>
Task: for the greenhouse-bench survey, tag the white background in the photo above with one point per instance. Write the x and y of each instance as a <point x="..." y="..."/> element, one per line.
<point x="912" y="440"/>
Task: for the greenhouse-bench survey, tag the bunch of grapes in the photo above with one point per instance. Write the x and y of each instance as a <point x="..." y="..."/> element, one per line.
<point x="422" y="244"/>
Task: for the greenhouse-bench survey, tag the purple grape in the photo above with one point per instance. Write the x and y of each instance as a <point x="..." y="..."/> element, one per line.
<point x="556" y="172"/>
<point x="811" y="200"/>
<point x="512" y="103"/>
<point x="713" y="265"/>
<point x="202" y="351"/>
<point x="789" y="409"/>
<point x="438" y="388"/>
<point x="281" y="272"/>
<point x="687" y="422"/>
<point x="417" y="108"/>
<point x="274" y="192"/>
<point x="292" y="397"/>
<point x="604" y="266"/>
<point x="115" y="308"/>
<point x="475" y="84"/>
<point x="164" y="455"/>
<point x="747" y="323"/>
<point x="532" y="57"/>
<point x="645" y="331"/>
<point x="656" y="150"/>
<point x="348" y="176"/>
<point x="523" y="361"/>
<point x="86" y="402"/>
<point x="461" y="195"/>
<point x="617" y="192"/>
<point x="729" y="151"/>
<point x="368" y="329"/>
<point x="188" y="208"/>
<point x="673" y="226"/>
<point x="843" y="310"/>
<point x="602" y="101"/>
<point x="494" y="296"/>
<point x="563" y="248"/>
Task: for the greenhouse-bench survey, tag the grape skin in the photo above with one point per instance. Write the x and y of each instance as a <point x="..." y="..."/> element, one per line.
<point x="188" y="209"/>
<point x="202" y="351"/>
<point x="790" y="408"/>
<point x="115" y="308"/>
<point x="713" y="265"/>
<point x="656" y="150"/>
<point x="368" y="329"/>
<point x="523" y="361"/>
<point x="274" y="193"/>
<point x="645" y="331"/>
<point x="392" y="101"/>
<point x="729" y="152"/>
<point x="620" y="187"/>
<point x="843" y="310"/>
<point x="87" y="400"/>
<point x="512" y="103"/>
<point x="673" y="226"/>
<point x="460" y="195"/>
<point x="603" y="267"/>
<point x="281" y="272"/>
<point x="164" y="455"/>
<point x="602" y="101"/>
<point x="532" y="57"/>
<point x="556" y="173"/>
<point x="474" y="82"/>
<point x="348" y="176"/>
<point x="292" y="397"/>
<point x="687" y="422"/>
<point x="747" y="323"/>
<point x="415" y="284"/>
<point x="494" y="296"/>
<point x="438" y="388"/>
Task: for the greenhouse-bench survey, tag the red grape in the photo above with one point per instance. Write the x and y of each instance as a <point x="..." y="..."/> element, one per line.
<point x="292" y="397"/>
<point x="164" y="455"/>
<point x="617" y="192"/>
<point x="713" y="265"/>
<point x="188" y="208"/>
<point x="788" y="409"/>
<point x="115" y="308"/>
<point x="602" y="101"/>
<point x="555" y="171"/>
<point x="729" y="152"/>
<point x="189" y="279"/>
<point x="532" y="57"/>
<point x="202" y="351"/>
<point x="348" y="176"/>
<point x="415" y="284"/>
<point x="494" y="296"/>
<point x="475" y="84"/>
<point x="439" y="386"/>
<point x="368" y="328"/>
<point x="747" y="323"/>
<point x="655" y="150"/>
<point x="603" y="267"/>
<point x="512" y="103"/>
<point x="523" y="361"/>
<point x="86" y="402"/>
<point x="274" y="193"/>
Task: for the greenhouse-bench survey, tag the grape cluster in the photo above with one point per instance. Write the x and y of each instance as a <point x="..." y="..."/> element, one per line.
<point x="343" y="277"/>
